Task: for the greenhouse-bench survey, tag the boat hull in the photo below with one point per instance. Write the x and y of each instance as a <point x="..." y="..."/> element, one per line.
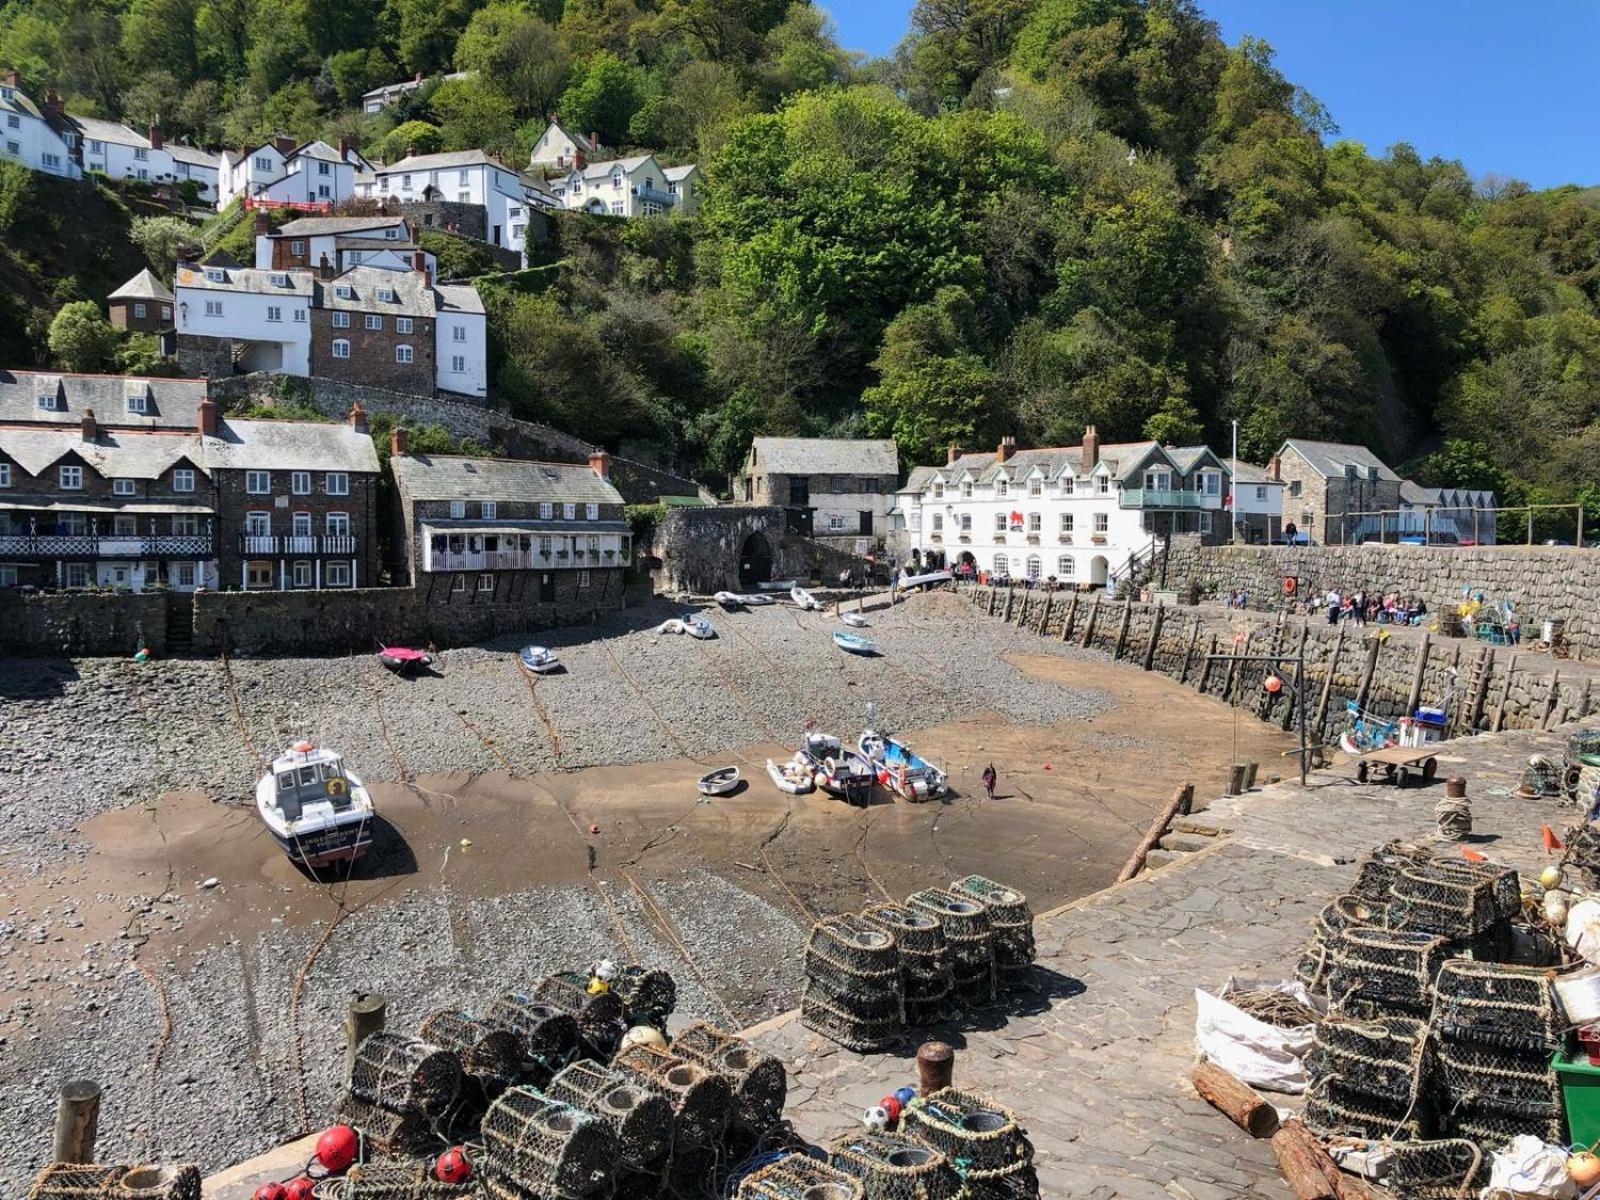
<point x="340" y="844"/>
<point x="855" y="644"/>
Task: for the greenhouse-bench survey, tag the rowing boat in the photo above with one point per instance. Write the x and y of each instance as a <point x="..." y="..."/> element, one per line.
<point x="853" y="618"/>
<point x="793" y="777"/>
<point x="804" y="599"/>
<point x="854" y="643"/>
<point x="719" y="782"/>
<point x="538" y="660"/>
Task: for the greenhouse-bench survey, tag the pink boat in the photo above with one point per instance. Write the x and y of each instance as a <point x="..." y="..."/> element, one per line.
<point x="403" y="659"/>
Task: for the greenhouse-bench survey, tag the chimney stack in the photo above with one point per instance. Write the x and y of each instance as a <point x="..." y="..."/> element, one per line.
<point x="418" y="79"/>
<point x="1091" y="447"/>
<point x="951" y="453"/>
<point x="285" y="145"/>
<point x="263" y="223"/>
<point x="207" y="418"/>
<point x="90" y="429"/>
<point x="419" y="262"/>
<point x="153" y="132"/>
<point x="400" y="441"/>
<point x="600" y="463"/>
<point x="1008" y="447"/>
<point x="52" y="102"/>
<point x="324" y="267"/>
<point x="1273" y="468"/>
<point x="348" y="143"/>
<point x="10" y="78"/>
<point x="357" y="417"/>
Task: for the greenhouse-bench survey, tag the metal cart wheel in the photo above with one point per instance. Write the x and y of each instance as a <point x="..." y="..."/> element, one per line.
<point x="1430" y="770"/>
<point x="1362" y="772"/>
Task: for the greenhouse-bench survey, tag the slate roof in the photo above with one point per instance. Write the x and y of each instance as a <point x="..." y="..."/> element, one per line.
<point x="193" y="156"/>
<point x="825" y="456"/>
<point x="1122" y="459"/>
<point x="600" y="170"/>
<point x="918" y="480"/>
<point x="290" y="445"/>
<point x="444" y="161"/>
<point x="457" y="297"/>
<point x="309" y="227"/>
<point x="174" y="403"/>
<point x="1245" y="472"/>
<point x="1414" y="493"/>
<point x="101" y="130"/>
<point x="20" y="103"/>
<point x="676" y="174"/>
<point x="411" y="85"/>
<point x="114" y="454"/>
<point x="413" y="295"/>
<point x="258" y="280"/>
<point x="455" y="477"/>
<point x="143" y="286"/>
<point x="1329" y="459"/>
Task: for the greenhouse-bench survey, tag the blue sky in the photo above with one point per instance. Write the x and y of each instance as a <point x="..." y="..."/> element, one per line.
<point x="1502" y="86"/>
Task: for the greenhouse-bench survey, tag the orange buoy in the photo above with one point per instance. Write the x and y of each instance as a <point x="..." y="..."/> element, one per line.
<point x="1273" y="684"/>
<point x="1472" y="855"/>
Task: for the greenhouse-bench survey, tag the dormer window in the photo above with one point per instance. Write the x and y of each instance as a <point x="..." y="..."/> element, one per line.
<point x="1068" y="484"/>
<point x="343" y="291"/>
<point x="51" y="402"/>
<point x="1002" y="487"/>
<point x="138" y="402"/>
<point x="966" y="489"/>
<point x="280" y="279"/>
<point x="1036" y="486"/>
<point x="386" y="295"/>
<point x="938" y="490"/>
<point x="216" y="275"/>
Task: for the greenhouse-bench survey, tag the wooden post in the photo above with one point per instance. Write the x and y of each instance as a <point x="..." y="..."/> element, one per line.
<point x="1072" y="617"/>
<point x="1205" y="671"/>
<point x="1236" y="779"/>
<point x="1155" y="636"/>
<point x="1582" y="710"/>
<point x="994" y="595"/>
<point x="1044" y="620"/>
<point x="1022" y="615"/>
<point x="1414" y="696"/>
<point x="1297" y="701"/>
<point x="1550" y="699"/>
<point x="1011" y="595"/>
<point x="364" y="1016"/>
<point x="77" y="1121"/>
<point x="1505" y="691"/>
<point x="1236" y="1100"/>
<point x="1327" y="683"/>
<point x="1188" y="653"/>
<point x="1181" y="798"/>
<point x="1122" y="630"/>
<point x="936" y="1064"/>
<point x="1094" y="615"/>
<point x="1373" y="646"/>
<point x="1312" y="1175"/>
<point x="1480" y="693"/>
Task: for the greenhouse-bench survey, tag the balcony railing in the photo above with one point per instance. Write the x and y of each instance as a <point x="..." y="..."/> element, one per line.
<point x="1167" y="498"/>
<point x="88" y="545"/>
<point x="655" y="195"/>
<point x="309" y="543"/>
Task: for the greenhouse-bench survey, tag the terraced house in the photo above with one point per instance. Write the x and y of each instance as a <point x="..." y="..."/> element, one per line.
<point x="548" y="538"/>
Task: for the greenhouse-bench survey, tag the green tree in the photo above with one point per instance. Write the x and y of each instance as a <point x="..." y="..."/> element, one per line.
<point x="410" y="137"/>
<point x="80" y="339"/>
<point x="159" y="35"/>
<point x="518" y="54"/>
<point x="161" y="238"/>
<point x="603" y="98"/>
<point x="474" y="115"/>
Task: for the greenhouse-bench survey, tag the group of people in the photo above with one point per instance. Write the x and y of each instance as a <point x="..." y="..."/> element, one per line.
<point x="1361" y="607"/>
<point x="1238" y="599"/>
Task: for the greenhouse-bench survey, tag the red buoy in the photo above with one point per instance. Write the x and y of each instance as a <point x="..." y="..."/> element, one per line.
<point x="453" y="1166"/>
<point x="299" y="1188"/>
<point x="337" y="1147"/>
<point x="891" y="1105"/>
<point x="271" y="1191"/>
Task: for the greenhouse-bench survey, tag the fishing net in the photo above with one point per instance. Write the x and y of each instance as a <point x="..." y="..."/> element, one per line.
<point x="758" y="1081"/>
<point x="388" y="1134"/>
<point x="1491" y="1128"/>
<point x="1333" y="1110"/>
<point x="402" y="1074"/>
<point x="640" y="1118"/>
<point x="969" y="936"/>
<point x="1500" y="1005"/>
<point x="853" y="986"/>
<point x="701" y="1100"/>
<point x="549" y="1035"/>
<point x="1511" y="1081"/>
<point x="798" y="1177"/>
<point x="81" y="1181"/>
<point x="1442" y="1170"/>
<point x="648" y="995"/>
<point x="490" y="1055"/>
<point x="542" y="1146"/>
<point x="1386" y="1058"/>
<point x="401" y="1181"/>
<point x="1012" y="922"/>
<point x="893" y="1167"/>
<point x="1385" y="967"/>
<point x="1456" y="900"/>
<point x="925" y="971"/>
<point x="601" y="1017"/>
<point x="982" y="1139"/>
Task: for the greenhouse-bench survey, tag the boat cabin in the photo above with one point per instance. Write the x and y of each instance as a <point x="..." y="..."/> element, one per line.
<point x="310" y="777"/>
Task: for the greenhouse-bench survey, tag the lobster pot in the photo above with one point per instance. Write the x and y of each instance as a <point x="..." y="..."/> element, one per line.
<point x="1378" y="872"/>
<point x="648" y="995"/>
<point x="543" y="1146"/>
<point x="1542" y="780"/>
<point x="1385" y="1058"/>
<point x="969" y="1128"/>
<point x="758" y="1081"/>
<point x="600" y="1015"/>
<point x="1442" y="1170"/>
<point x="925" y="973"/>
<point x="969" y="936"/>
<point x="1580" y="757"/>
<point x="1583" y="851"/>
<point x="1388" y="969"/>
<point x="401" y="1181"/>
<point x="799" y="1177"/>
<point x="1335" y="1111"/>
<point x="1455" y="901"/>
<point x="405" y="1074"/>
<point x="490" y="1055"/>
<point x="1512" y="1081"/>
<point x="853" y="984"/>
<point x="1341" y="913"/>
<point x="82" y="1181"/>
<point x="893" y="1167"/>
<point x="1499" y="1005"/>
<point x="851" y="1027"/>
<point x="549" y="1035"/>
<point x="701" y="1100"/>
<point x="640" y="1118"/>
<point x="1012" y="922"/>
<point x="389" y="1134"/>
<point x="1490" y="1128"/>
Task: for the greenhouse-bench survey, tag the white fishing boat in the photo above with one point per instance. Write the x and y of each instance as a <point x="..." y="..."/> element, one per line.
<point x="839" y="772"/>
<point x="906" y="582"/>
<point x="316" y="809"/>
<point x="672" y="625"/>
<point x="901" y="771"/>
<point x="719" y="782"/>
<point x="794" y="776"/>
<point x="539" y="660"/>
<point x="804" y="599"/>
<point x="854" y="643"/>
<point x="729" y="600"/>
<point x="854" y="619"/>
<point x="697" y="626"/>
<point x="756" y="599"/>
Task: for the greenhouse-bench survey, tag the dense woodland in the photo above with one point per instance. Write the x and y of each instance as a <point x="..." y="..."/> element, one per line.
<point x="1035" y="214"/>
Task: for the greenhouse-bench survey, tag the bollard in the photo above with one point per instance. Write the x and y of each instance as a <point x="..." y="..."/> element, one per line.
<point x="1236" y="778"/>
<point x="935" y="1067"/>
<point x="1455" y="788"/>
<point x="77" y="1121"/>
<point x="365" y="1016"/>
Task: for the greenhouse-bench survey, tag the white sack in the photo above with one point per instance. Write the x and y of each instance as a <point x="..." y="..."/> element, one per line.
<point x="1261" y="1055"/>
<point x="1528" y="1167"/>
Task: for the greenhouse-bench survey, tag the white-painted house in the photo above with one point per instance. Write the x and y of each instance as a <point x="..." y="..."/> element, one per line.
<point x="381" y="98"/>
<point x="1078" y="513"/>
<point x="629" y="187"/>
<point x="113" y="149"/>
<point x="27" y="136"/>
<point x="561" y="150"/>
<point x="285" y="172"/>
<point x="381" y="241"/>
<point x="461" y="177"/>
<point x="263" y="317"/>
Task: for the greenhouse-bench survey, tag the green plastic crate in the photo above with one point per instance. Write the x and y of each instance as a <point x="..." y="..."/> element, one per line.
<point x="1580" y="1094"/>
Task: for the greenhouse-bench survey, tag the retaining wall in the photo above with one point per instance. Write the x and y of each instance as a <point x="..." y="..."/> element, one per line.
<point x="1512" y="690"/>
<point x="82" y="623"/>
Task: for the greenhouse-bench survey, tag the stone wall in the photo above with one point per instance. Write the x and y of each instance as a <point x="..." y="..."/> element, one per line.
<point x="1514" y="690"/>
<point x="701" y="549"/>
<point x="82" y="623"/>
<point x="639" y="483"/>
<point x="1543" y="582"/>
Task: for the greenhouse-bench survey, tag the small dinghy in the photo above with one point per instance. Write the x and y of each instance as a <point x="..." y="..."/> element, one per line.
<point x="902" y="772"/>
<point x="719" y="782"/>
<point x="316" y="809"/>
<point x="403" y="660"/>
<point x="855" y="643"/>
<point x="908" y="582"/>
<point x="697" y="626"/>
<point x="756" y="599"/>
<point x="793" y="777"/>
<point x="730" y="600"/>
<point x="672" y="625"/>
<point x="853" y="619"/>
<point x="538" y="660"/>
<point x="804" y="599"/>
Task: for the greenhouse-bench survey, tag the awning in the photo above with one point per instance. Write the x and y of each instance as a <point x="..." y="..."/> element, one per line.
<point x="92" y="506"/>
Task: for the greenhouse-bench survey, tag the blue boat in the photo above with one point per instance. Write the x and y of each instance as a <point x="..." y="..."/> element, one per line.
<point x="855" y="643"/>
<point x="900" y="770"/>
<point x="538" y="660"/>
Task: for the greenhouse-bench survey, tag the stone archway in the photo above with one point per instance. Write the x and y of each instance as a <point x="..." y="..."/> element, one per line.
<point x="755" y="560"/>
<point x="967" y="559"/>
<point x="1099" y="571"/>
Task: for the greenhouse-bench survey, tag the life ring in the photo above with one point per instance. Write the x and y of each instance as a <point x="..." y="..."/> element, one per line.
<point x="337" y="786"/>
<point x="1290" y="585"/>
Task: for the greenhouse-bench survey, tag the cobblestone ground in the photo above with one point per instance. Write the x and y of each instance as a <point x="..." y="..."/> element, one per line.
<point x="1098" y="1069"/>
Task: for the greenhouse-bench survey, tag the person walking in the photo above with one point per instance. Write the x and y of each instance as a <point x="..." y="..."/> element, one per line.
<point x="989" y="780"/>
<point x="1333" y="606"/>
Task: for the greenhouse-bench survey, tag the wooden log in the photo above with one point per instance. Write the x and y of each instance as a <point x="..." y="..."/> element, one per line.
<point x="1296" y="699"/>
<point x="1044" y="619"/>
<point x="1236" y="1100"/>
<point x="1499" y="721"/>
<point x="1072" y="617"/>
<point x="1550" y="694"/>
<point x="77" y="1121"/>
<point x="1236" y="779"/>
<point x="1088" y="627"/>
<point x="1158" y="828"/>
<point x="1188" y="654"/>
<point x="1304" y="1163"/>
<point x="1011" y="595"/>
<point x="1374" y="645"/>
<point x="364" y="1016"/>
<point x="1205" y="671"/>
<point x="1155" y="636"/>
<point x="1122" y="631"/>
<point x="1414" y="696"/>
<point x="1320" y="720"/>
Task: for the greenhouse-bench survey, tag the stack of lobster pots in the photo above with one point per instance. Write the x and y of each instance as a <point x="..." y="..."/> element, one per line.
<point x="854" y="993"/>
<point x="969" y="938"/>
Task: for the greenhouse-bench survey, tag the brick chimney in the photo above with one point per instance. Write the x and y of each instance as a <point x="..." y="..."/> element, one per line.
<point x="263" y="224"/>
<point x="357" y="417"/>
<point x="1007" y="447"/>
<point x="400" y="441"/>
<point x="347" y="144"/>
<point x="1091" y="447"/>
<point x="600" y="463"/>
<point x="324" y="267"/>
<point x="52" y="102"/>
<point x="90" y="429"/>
<point x="207" y="418"/>
<point x="11" y="78"/>
<point x="154" y="134"/>
<point x="419" y="263"/>
<point x="951" y="453"/>
<point x="1273" y="470"/>
<point x="285" y="145"/>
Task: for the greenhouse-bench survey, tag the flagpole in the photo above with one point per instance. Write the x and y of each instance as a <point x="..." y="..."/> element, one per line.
<point x="1233" y="488"/>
